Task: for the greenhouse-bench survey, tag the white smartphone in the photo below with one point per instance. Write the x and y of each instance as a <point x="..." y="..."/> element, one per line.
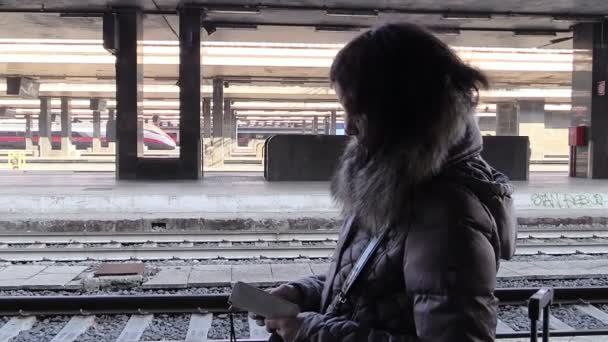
<point x="252" y="299"/>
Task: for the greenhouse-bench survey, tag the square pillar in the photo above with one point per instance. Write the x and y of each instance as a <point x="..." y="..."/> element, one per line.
<point x="129" y="89"/>
<point x="332" y="122"/>
<point x="590" y="99"/>
<point x="303" y="126"/>
<point x="507" y="119"/>
<point x="66" y="126"/>
<point x="227" y="127"/>
<point x="190" y="154"/>
<point x="234" y="124"/>
<point x="315" y="125"/>
<point x="28" y="132"/>
<point x="44" y="127"/>
<point x="206" y="117"/>
<point x="532" y="124"/>
<point x="218" y="107"/>
<point x="111" y="130"/>
<point x="96" y="145"/>
<point x="326" y="125"/>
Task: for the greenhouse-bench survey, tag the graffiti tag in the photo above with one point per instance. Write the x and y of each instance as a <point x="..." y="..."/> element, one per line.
<point x="568" y="200"/>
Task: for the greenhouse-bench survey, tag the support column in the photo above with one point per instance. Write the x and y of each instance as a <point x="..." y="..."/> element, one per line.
<point x="590" y="99"/>
<point x="218" y="121"/>
<point x="28" y="132"/>
<point x="44" y="127"/>
<point x="227" y="129"/>
<point x="315" y="125"/>
<point x="332" y="122"/>
<point x="218" y="107"/>
<point x="111" y="130"/>
<point x="326" y="125"/>
<point x="507" y="120"/>
<point x="303" y="126"/>
<point x="532" y="124"/>
<point x="66" y="126"/>
<point x="129" y="88"/>
<point x="234" y="125"/>
<point x="96" y="144"/>
<point x="190" y="93"/>
<point x="206" y="117"/>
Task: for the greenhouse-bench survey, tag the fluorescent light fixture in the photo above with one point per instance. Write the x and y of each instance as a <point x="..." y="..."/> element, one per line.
<point x="446" y="31"/>
<point x="533" y="33"/>
<point x="466" y="16"/>
<point x="574" y="18"/>
<point x="343" y="12"/>
<point x="330" y="28"/>
<point x="81" y="15"/>
<point x="234" y="10"/>
<point x="235" y="26"/>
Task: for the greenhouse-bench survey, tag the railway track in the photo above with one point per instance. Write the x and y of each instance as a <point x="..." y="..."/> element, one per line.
<point x="244" y="244"/>
<point x="82" y="314"/>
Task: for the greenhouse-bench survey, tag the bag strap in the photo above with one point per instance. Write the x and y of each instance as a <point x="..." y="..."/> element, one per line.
<point x="363" y="260"/>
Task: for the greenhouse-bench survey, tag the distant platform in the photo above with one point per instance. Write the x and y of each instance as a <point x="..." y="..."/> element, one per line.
<point x="27" y="197"/>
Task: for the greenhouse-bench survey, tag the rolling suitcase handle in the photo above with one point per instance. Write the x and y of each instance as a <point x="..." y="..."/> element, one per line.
<point x="538" y="307"/>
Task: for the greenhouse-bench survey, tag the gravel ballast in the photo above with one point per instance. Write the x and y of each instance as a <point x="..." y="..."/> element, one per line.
<point x="167" y="328"/>
<point x="105" y="328"/>
<point x="575" y="318"/>
<point x="514" y="317"/>
<point x="220" y="327"/>
<point x="43" y="330"/>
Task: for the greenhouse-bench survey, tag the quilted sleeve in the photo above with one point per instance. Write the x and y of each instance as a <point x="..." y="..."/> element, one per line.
<point x="310" y="289"/>
<point x="324" y="328"/>
<point x="450" y="275"/>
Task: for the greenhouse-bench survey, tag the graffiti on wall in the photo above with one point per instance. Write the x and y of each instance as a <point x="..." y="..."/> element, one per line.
<point x="559" y="200"/>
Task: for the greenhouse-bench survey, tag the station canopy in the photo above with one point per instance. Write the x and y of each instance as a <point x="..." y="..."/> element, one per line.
<point x="487" y="23"/>
<point x="306" y="34"/>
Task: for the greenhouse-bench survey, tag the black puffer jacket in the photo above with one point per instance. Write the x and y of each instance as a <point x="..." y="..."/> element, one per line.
<point x="433" y="278"/>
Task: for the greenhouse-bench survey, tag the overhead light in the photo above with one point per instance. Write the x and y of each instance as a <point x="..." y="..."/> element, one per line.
<point x="466" y="16"/>
<point x="560" y="40"/>
<point x="235" y="26"/>
<point x="234" y="10"/>
<point x="575" y="18"/>
<point x="325" y="28"/>
<point x="449" y="31"/>
<point x="340" y="12"/>
<point x="533" y="33"/>
<point x="81" y="15"/>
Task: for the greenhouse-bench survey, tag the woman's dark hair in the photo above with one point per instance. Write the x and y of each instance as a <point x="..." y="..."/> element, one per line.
<point x="399" y="78"/>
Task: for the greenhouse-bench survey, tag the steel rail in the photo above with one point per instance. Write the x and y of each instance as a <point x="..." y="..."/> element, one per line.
<point x="243" y="236"/>
<point x="171" y="236"/>
<point x="113" y="304"/>
<point x="173" y="304"/>
<point x="163" y="253"/>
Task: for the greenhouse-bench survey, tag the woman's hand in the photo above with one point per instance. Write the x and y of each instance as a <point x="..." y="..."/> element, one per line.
<point x="287" y="328"/>
<point x="285" y="291"/>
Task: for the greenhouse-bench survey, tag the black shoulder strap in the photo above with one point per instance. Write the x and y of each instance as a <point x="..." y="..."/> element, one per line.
<point x="359" y="266"/>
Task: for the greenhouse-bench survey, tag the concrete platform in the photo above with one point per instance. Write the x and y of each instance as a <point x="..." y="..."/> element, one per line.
<point x="73" y="277"/>
<point x="48" y="201"/>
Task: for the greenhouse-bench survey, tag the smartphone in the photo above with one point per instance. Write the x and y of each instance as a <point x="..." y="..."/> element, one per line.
<point x="252" y="299"/>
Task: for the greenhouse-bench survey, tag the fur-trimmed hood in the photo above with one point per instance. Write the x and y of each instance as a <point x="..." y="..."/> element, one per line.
<point x="378" y="188"/>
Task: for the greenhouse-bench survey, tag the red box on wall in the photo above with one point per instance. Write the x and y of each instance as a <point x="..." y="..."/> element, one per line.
<point x="577" y="136"/>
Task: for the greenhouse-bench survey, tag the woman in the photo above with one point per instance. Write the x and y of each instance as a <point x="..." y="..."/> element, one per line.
<point x="411" y="177"/>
